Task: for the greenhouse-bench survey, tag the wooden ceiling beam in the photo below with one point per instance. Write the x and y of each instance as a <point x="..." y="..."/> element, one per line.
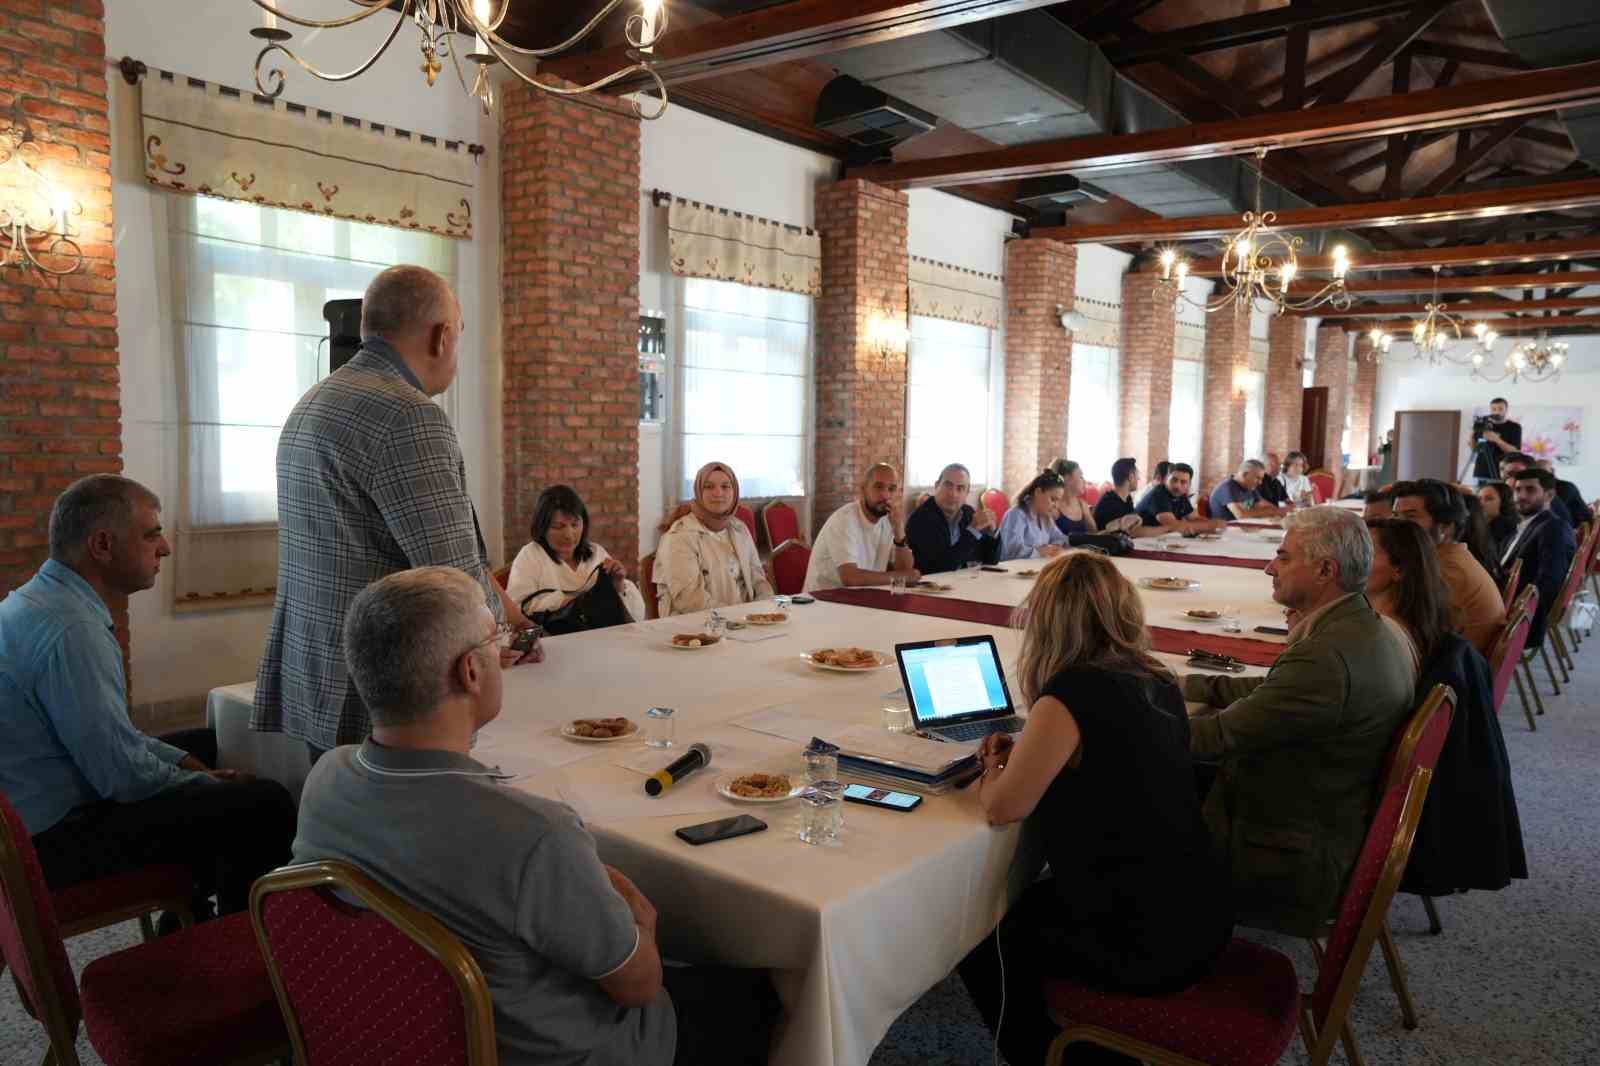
<point x="1481" y="283"/>
<point x="1414" y="211"/>
<point x="1401" y="328"/>
<point x="1478" y="57"/>
<point x="1471" y="308"/>
<point x="798" y="29"/>
<point x="1471" y="103"/>
<point x="1493" y="138"/>
<point x="1254" y="28"/>
<point x="1472" y="255"/>
<point x="1384" y="48"/>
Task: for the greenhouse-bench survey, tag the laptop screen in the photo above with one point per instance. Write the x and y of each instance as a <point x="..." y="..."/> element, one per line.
<point x="946" y="681"/>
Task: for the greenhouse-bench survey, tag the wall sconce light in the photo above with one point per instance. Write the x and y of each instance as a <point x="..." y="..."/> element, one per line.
<point x="35" y="212"/>
<point x="1071" y="321"/>
<point x="888" y="334"/>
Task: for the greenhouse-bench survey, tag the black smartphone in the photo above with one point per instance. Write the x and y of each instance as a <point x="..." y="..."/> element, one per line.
<point x="881" y="797"/>
<point x="1277" y="631"/>
<point x="801" y="597"/>
<point x="721" y="829"/>
<point x="993" y="569"/>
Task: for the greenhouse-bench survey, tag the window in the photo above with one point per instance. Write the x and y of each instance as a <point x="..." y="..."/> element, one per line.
<point x="1255" y="406"/>
<point x="745" y="373"/>
<point x="1188" y="404"/>
<point x="1092" y="412"/>
<point x="948" y="402"/>
<point x="250" y="282"/>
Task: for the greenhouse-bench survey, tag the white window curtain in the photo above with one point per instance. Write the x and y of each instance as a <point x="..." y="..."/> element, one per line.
<point x="949" y="401"/>
<point x="744" y="380"/>
<point x="1188" y="403"/>
<point x="1255" y="407"/>
<point x="249" y="285"/>
<point x="1092" y="410"/>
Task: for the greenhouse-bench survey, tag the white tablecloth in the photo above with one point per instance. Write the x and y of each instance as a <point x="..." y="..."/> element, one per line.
<point x="854" y="933"/>
<point x="1256" y="545"/>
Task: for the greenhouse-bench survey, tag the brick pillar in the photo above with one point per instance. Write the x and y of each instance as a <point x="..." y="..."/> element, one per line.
<point x="861" y="390"/>
<point x="60" y="394"/>
<point x="570" y="317"/>
<point x="1363" y="402"/>
<point x="1149" y="339"/>
<point x="1333" y="370"/>
<point x="1041" y="275"/>
<point x="1286" y="348"/>
<point x="1227" y="355"/>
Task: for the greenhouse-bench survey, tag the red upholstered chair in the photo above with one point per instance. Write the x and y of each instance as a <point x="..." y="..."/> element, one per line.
<point x="1508" y="591"/>
<point x="1202" y="504"/>
<point x="1559" y="629"/>
<point x="501" y="576"/>
<point x="1322" y="484"/>
<point x="1506" y="656"/>
<point x="996" y="501"/>
<point x="789" y="562"/>
<point x="748" y="517"/>
<point x="1245" y="1011"/>
<point x="1091" y="495"/>
<point x="201" y="995"/>
<point x="647" y="586"/>
<point x="782" y="523"/>
<point x="385" y="958"/>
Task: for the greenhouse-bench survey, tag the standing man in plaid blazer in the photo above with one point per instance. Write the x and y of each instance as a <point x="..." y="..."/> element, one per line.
<point x="370" y="481"/>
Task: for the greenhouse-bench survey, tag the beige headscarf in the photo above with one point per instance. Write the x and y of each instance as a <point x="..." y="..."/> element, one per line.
<point x="714" y="522"/>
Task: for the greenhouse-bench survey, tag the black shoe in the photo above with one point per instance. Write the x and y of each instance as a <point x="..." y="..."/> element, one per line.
<point x="169" y="922"/>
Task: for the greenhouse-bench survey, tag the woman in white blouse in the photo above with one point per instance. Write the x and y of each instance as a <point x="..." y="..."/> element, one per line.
<point x="707" y="557"/>
<point x="1295" y="481"/>
<point x="560" y="561"/>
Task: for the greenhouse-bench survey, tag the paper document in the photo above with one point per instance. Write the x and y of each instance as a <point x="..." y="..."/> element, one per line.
<point x="784" y="720"/>
<point x="754" y="636"/>
<point x="600" y="801"/>
<point x="929" y="756"/>
<point x="723" y="757"/>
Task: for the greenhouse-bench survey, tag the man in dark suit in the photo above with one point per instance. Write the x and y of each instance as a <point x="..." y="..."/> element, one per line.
<point x="1544" y="543"/>
<point x="1569" y="496"/>
<point x="946" y="533"/>
<point x="1514" y="464"/>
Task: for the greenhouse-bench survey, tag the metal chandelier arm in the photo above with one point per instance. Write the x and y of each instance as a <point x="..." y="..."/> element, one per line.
<point x="369" y="8"/>
<point x="276" y="74"/>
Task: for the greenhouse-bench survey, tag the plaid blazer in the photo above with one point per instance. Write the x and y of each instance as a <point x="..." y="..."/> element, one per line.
<point x="370" y="481"/>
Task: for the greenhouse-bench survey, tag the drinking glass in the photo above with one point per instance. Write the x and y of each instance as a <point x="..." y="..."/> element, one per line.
<point x="819" y="815"/>
<point x="821" y="766"/>
<point x="1230" y="620"/>
<point x="835" y="791"/>
<point x="897" y="585"/>
<point x="783" y="604"/>
<point x="658" y="727"/>
<point x="972" y="570"/>
<point x="896" y="716"/>
<point x="716" y="625"/>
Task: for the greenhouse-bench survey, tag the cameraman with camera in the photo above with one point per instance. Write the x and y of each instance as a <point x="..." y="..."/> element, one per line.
<point x="1493" y="435"/>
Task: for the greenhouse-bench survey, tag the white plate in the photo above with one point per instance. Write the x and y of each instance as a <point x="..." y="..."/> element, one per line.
<point x="694" y="647"/>
<point x="795" y="788"/>
<point x="1146" y="583"/>
<point x="1187" y="617"/>
<point x="883" y="660"/>
<point x="632" y="734"/>
<point x="751" y="620"/>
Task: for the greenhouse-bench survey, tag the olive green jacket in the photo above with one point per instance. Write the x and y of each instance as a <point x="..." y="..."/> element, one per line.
<point x="1299" y="753"/>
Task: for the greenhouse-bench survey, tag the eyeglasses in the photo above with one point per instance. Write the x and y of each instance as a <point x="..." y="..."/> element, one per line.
<point x="501" y="632"/>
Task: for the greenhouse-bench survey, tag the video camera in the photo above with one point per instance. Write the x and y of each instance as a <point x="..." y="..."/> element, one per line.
<point x="1481" y="425"/>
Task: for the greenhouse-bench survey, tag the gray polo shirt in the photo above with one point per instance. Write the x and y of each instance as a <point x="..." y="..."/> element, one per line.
<point x="514" y="876"/>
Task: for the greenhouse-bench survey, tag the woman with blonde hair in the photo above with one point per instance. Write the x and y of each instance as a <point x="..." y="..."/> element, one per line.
<point x="1135" y="903"/>
<point x="707" y="557"/>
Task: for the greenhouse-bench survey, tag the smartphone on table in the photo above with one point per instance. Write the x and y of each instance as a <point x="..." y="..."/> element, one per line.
<point x="1277" y="631"/>
<point x="881" y="797"/>
<point x="721" y="829"/>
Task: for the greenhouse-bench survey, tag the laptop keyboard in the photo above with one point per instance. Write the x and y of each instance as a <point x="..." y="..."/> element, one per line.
<point x="979" y="730"/>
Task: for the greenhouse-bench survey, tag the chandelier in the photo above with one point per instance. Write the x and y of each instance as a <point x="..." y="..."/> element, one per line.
<point x="1259" y="264"/>
<point x="1436" y="334"/>
<point x="1539" y="360"/>
<point x="34" y="213"/>
<point x="442" y="24"/>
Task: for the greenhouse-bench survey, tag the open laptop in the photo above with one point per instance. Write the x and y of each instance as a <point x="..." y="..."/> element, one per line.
<point x="957" y="688"/>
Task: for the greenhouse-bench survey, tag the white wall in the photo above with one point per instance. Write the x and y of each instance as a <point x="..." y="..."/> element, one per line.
<point x="1407" y="385"/>
<point x="1100" y="271"/>
<point x="700" y="158"/>
<point x="180" y="657"/>
<point x="958" y="232"/>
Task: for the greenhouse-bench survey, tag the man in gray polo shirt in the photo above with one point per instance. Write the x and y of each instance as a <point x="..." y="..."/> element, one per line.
<point x="567" y="944"/>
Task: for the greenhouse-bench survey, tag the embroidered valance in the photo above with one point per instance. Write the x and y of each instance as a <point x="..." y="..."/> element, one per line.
<point x="205" y="138"/>
<point x="939" y="290"/>
<point x="710" y="242"/>
<point x="1100" y="322"/>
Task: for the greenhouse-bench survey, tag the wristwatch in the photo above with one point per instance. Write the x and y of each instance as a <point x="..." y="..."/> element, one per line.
<point x="899" y="542"/>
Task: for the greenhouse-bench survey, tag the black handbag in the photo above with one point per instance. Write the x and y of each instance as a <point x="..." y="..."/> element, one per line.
<point x="596" y="607"/>
<point x="1109" y="543"/>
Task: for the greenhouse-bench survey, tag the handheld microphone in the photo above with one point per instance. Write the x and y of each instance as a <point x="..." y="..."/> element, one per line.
<point x="697" y="756"/>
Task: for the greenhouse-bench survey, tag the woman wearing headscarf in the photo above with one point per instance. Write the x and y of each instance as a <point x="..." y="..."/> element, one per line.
<point x="707" y="557"/>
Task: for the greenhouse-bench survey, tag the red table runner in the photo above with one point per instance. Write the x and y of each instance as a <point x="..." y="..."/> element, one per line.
<point x="1171" y="641"/>
<point x="1205" y="560"/>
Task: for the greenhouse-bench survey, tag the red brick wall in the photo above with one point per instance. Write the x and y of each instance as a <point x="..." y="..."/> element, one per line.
<point x="1333" y="370"/>
<point x="1227" y="354"/>
<point x="861" y="391"/>
<point x="60" y="395"/>
<point x="1149" y="337"/>
<point x="1286" y="347"/>
<point x="569" y="184"/>
<point x="1040" y="276"/>
<point x="1364" y="436"/>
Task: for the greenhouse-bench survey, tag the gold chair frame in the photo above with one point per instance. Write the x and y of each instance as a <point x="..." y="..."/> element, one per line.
<point x="421" y="928"/>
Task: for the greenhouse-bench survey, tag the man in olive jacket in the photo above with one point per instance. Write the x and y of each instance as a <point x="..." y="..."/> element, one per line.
<point x="1300" y="750"/>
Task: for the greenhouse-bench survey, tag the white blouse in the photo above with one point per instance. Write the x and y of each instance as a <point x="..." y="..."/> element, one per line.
<point x="1298" y="486"/>
<point x="535" y="569"/>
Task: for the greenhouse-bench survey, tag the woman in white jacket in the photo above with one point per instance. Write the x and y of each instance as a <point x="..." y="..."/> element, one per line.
<point x="560" y="557"/>
<point x="707" y="557"/>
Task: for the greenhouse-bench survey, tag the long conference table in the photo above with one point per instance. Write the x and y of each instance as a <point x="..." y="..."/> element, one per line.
<point x="853" y="932"/>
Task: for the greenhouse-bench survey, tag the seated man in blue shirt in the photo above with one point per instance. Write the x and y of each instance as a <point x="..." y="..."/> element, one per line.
<point x="1166" y="507"/>
<point x="97" y="796"/>
<point x="945" y="532"/>
<point x="566" y="943"/>
<point x="1240" y="495"/>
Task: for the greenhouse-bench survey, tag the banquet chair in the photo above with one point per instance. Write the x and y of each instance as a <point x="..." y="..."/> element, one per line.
<point x="1505" y="657"/>
<point x="647" y="586"/>
<point x="1244" y="1013"/>
<point x="996" y="501"/>
<point x="781" y="521"/>
<point x="1508" y="591"/>
<point x="748" y="517"/>
<point x="1091" y="495"/>
<point x="200" y="995"/>
<point x="1560" y="614"/>
<point x="1202" y="505"/>
<point x="789" y="562"/>
<point x="501" y="576"/>
<point x="386" y="958"/>
<point x="1322" y="484"/>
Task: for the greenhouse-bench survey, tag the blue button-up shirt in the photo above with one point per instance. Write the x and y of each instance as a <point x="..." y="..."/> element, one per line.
<point x="65" y="737"/>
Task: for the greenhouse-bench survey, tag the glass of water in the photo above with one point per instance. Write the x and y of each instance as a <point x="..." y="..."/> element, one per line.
<point x="972" y="570"/>
<point x="783" y="604"/>
<point x="897" y="585"/>
<point x="835" y="790"/>
<point x="822" y="765"/>
<point x="659" y="727"/>
<point x="819" y="816"/>
<point x="896" y="715"/>
<point x="716" y="625"/>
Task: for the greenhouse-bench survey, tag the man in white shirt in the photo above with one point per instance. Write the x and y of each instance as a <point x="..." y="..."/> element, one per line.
<point x="864" y="542"/>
